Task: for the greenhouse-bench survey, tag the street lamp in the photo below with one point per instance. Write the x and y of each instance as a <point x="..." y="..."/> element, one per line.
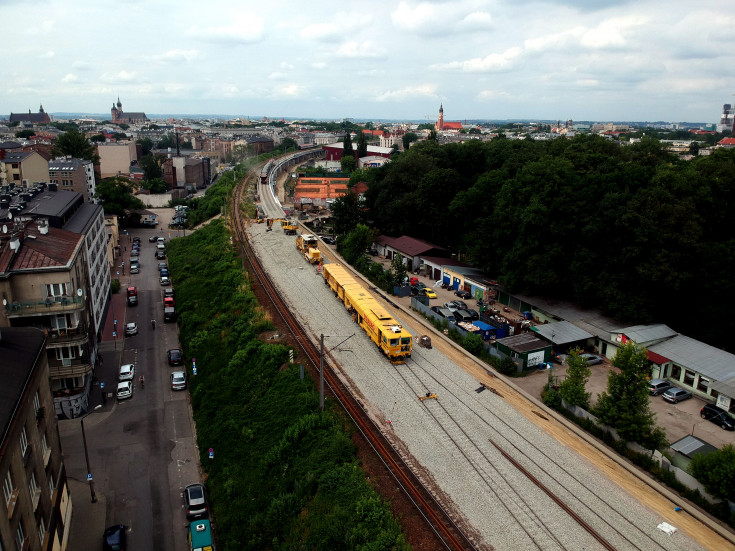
<point x="86" y="456"/>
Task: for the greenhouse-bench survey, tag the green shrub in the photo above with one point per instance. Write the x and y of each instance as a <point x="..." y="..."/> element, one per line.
<point x="115" y="286"/>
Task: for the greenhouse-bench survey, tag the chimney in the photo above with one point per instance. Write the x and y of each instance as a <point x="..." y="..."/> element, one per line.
<point x="43" y="227"/>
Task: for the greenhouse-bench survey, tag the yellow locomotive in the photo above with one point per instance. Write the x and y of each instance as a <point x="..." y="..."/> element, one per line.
<point x="389" y="335"/>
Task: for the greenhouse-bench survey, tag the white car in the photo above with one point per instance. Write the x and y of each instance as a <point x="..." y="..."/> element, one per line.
<point x="178" y="380"/>
<point x="127" y="372"/>
<point x="125" y="390"/>
<point x="131" y="328"/>
<point x="165" y="281"/>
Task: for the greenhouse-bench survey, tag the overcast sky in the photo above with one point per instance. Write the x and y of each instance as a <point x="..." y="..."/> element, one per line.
<point x="602" y="60"/>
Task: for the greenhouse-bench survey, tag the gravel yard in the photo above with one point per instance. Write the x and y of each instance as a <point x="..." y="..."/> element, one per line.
<point x="447" y="440"/>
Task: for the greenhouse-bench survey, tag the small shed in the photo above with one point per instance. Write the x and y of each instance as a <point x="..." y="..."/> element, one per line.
<point x="525" y="349"/>
<point x="686" y="448"/>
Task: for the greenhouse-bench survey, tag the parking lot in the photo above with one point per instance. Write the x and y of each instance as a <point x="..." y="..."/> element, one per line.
<point x="678" y="420"/>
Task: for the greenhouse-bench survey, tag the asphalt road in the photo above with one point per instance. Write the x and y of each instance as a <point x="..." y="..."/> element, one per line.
<point x="142" y="450"/>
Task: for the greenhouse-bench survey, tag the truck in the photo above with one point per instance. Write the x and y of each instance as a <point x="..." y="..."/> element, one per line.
<point x="307" y="244"/>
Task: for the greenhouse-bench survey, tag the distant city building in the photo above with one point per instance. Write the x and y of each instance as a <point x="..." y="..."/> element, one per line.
<point x="727" y="119"/>
<point x="441" y="124"/>
<point x="32" y="118"/>
<point x="36" y="495"/>
<point x="334" y="151"/>
<point x="118" y="116"/>
<point x="318" y="191"/>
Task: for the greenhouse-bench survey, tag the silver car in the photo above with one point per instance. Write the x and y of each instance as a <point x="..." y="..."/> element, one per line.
<point x="131" y="329"/>
<point x="127" y="372"/>
<point x="124" y="390"/>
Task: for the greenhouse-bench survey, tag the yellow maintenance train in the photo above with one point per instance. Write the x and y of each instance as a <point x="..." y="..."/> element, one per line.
<point x="389" y="335"/>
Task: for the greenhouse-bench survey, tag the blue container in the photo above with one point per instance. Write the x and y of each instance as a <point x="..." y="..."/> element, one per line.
<point x="527" y="316"/>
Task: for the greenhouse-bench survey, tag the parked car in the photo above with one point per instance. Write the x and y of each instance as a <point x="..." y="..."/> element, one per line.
<point x="168" y="292"/>
<point x="474" y="313"/>
<point x="196" y="501"/>
<point x="127" y="372"/>
<point x="134" y="253"/>
<point x="160" y="254"/>
<point x="676" y="395"/>
<point x="592" y="359"/>
<point x="152" y="239"/>
<point x="164" y="280"/>
<point x="447" y="314"/>
<point x="462" y="315"/>
<point x="162" y="265"/>
<point x="717" y="416"/>
<point x="460" y="304"/>
<point x="329" y="240"/>
<point x="115" y="538"/>
<point x="416" y="288"/>
<point x="427" y="292"/>
<point x="132" y="291"/>
<point x="164" y="272"/>
<point x="178" y="380"/>
<point x="131" y="329"/>
<point x="175" y="357"/>
<point x="461" y="293"/>
<point x="133" y="300"/>
<point x="136" y="239"/>
<point x="658" y="386"/>
<point x="124" y="390"/>
<point x="436" y="309"/>
<point x="134" y="268"/>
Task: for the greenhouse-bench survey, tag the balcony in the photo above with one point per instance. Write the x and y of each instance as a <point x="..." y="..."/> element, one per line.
<point x="62" y="369"/>
<point x="66" y="337"/>
<point x="50" y="305"/>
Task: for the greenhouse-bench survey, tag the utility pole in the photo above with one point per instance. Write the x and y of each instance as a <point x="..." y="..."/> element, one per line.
<point x="86" y="457"/>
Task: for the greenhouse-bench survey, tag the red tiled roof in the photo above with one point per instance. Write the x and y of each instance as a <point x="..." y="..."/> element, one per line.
<point x="726" y="141"/>
<point x="448" y="125"/>
<point x="55" y="249"/>
<point x="658" y="359"/>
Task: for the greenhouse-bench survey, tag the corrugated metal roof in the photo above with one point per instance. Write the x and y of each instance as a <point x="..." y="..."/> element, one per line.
<point x="562" y="332"/>
<point x="524" y="342"/>
<point x="409" y="246"/>
<point x="703" y="358"/>
<point x="726" y="387"/>
<point x="689" y="445"/>
<point x="643" y="334"/>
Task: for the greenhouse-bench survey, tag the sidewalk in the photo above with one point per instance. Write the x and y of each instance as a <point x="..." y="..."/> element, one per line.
<point x="87" y="518"/>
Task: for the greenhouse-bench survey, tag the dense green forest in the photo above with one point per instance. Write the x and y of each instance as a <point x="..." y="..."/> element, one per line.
<point x="629" y="229"/>
<point x="284" y="474"/>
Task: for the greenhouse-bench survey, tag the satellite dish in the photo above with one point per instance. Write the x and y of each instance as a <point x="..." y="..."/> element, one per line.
<point x="5" y="228"/>
<point x="10" y="216"/>
<point x="79" y="292"/>
<point x="5" y="302"/>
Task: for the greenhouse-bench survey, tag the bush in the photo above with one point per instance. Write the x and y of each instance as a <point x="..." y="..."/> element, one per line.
<point x="115" y="286"/>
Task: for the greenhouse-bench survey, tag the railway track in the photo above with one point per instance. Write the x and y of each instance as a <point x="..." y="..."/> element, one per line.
<point x="435" y="516"/>
<point x="524" y="455"/>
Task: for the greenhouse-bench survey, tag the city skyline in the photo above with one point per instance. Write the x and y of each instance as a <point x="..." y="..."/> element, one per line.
<point x="562" y="59"/>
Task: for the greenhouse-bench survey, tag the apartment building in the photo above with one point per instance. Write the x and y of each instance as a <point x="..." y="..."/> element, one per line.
<point x="54" y="276"/>
<point x="23" y="168"/>
<point x="72" y="174"/>
<point x="36" y="496"/>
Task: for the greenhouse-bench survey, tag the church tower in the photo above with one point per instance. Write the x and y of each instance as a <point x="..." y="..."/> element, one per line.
<point x="440" y="121"/>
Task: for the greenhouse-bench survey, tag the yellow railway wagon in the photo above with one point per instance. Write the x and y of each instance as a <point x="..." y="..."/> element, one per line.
<point x="306" y="241"/>
<point x="389" y="335"/>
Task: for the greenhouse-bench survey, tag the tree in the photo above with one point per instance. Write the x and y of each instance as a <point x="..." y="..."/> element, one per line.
<point x="288" y="144"/>
<point x="398" y="268"/>
<point x="98" y="138"/>
<point x="348" y="164"/>
<point x="353" y="245"/>
<point x="155" y="185"/>
<point x="716" y="471"/>
<point x="348" y="150"/>
<point x="75" y="144"/>
<point x="432" y="135"/>
<point x="146" y="145"/>
<point x="25" y="133"/>
<point x="117" y="196"/>
<point x="361" y="145"/>
<point x="573" y="388"/>
<point x="123" y="126"/>
<point x="408" y="138"/>
<point x="625" y="405"/>
<point x="346" y="213"/>
<point x="150" y="166"/>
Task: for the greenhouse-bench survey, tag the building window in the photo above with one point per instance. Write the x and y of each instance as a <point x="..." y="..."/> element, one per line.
<point x="56" y="290"/>
<point x="23" y="441"/>
<point x="8" y="488"/>
<point x="688" y="378"/>
<point x="36" y="404"/>
<point x="51" y="482"/>
<point x="20" y="537"/>
<point x="675" y="372"/>
<point x="41" y="530"/>
<point x="703" y="384"/>
<point x="33" y="485"/>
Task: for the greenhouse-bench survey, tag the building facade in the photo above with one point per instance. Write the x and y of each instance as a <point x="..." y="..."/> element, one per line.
<point x="24" y="168"/>
<point x="116" y="158"/>
<point x="73" y="175"/>
<point x="119" y="117"/>
<point x="31" y="118"/>
<point x="36" y="496"/>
